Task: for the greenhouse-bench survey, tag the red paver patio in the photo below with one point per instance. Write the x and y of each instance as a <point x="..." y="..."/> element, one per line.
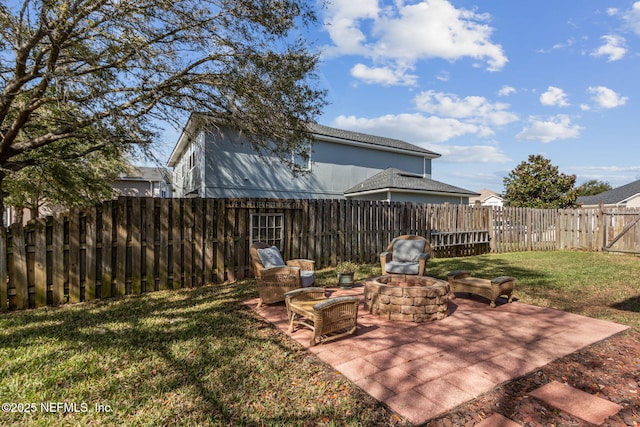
<point x="423" y="370"/>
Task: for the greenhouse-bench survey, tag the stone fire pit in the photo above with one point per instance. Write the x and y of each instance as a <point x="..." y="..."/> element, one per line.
<point x="410" y="298"/>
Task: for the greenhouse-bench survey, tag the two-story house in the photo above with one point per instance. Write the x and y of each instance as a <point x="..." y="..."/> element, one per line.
<point x="213" y="161"/>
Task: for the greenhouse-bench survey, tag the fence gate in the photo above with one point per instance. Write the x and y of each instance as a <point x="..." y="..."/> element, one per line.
<point x="621" y="231"/>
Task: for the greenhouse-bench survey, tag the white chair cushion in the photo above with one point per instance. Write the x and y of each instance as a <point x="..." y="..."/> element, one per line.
<point x="270" y="257"/>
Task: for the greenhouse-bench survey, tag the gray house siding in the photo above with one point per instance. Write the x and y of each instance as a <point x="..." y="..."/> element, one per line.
<point x="211" y="160"/>
<point x="232" y="169"/>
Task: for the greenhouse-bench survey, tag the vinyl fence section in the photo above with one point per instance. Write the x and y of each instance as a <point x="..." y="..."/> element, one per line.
<point x="131" y="246"/>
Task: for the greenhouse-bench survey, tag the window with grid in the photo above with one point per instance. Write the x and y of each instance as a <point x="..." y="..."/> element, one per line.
<point x="268" y="228"/>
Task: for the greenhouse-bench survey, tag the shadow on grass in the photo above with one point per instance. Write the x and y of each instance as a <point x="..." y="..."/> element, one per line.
<point x="631" y="304"/>
<point x="183" y="357"/>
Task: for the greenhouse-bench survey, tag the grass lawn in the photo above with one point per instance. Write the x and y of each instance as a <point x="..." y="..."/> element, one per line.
<point x="199" y="357"/>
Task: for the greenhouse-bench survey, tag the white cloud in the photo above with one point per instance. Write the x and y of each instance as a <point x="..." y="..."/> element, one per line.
<point x="401" y="34"/>
<point x="613" y="48"/>
<point x="506" y="91"/>
<point x="554" y="97"/>
<point x="383" y="75"/>
<point x="605" y="97"/>
<point x="414" y="128"/>
<point x="343" y="25"/>
<point x="631" y="18"/>
<point x="443" y="76"/>
<point x="558" y="127"/>
<point x="427" y="132"/>
<point x="469" y="154"/>
<point x="476" y="109"/>
<point x="570" y="42"/>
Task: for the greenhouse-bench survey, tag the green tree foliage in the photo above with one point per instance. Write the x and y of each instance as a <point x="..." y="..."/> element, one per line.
<point x="592" y="187"/>
<point x="64" y="180"/>
<point x="104" y="73"/>
<point x="536" y="183"/>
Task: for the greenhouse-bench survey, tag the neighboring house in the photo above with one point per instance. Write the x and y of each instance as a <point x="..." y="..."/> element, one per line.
<point x="626" y="196"/>
<point x="487" y="198"/>
<point x="140" y="181"/>
<point x="144" y="182"/>
<point x="213" y="161"/>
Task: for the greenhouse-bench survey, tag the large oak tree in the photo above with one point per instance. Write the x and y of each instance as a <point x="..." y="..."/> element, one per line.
<point x="101" y="74"/>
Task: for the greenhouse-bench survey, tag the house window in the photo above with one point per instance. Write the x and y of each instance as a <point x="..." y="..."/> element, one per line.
<point x="268" y="228"/>
<point x="304" y="164"/>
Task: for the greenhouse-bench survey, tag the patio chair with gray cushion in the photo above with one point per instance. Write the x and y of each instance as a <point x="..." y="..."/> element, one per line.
<point x="407" y="254"/>
<point x="274" y="276"/>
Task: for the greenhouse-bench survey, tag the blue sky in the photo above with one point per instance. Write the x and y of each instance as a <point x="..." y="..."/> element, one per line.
<point x="486" y="84"/>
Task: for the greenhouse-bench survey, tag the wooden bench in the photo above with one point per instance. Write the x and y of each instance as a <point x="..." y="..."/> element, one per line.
<point x="461" y="281"/>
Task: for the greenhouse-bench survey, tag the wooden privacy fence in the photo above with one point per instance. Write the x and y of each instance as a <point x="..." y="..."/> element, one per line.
<point x="137" y="245"/>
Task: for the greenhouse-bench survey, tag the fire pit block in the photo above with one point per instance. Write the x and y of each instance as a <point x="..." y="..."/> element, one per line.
<point x="409" y="298"/>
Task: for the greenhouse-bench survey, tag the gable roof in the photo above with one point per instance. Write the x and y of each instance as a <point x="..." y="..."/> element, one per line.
<point x="614" y="196"/>
<point x="396" y="179"/>
<point x="322" y="132"/>
<point x="484" y="195"/>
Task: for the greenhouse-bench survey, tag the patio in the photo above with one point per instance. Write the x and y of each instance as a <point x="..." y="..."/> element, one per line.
<point x="423" y="370"/>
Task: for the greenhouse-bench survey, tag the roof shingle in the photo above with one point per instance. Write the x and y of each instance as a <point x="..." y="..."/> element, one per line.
<point x="397" y="179"/>
<point x="368" y="139"/>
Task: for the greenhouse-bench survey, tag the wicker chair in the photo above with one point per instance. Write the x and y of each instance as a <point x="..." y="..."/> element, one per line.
<point x="277" y="277"/>
<point x="328" y="318"/>
<point x="407" y="254"/>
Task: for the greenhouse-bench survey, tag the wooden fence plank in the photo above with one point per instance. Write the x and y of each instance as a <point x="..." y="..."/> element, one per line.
<point x="91" y="250"/>
<point x="57" y="259"/>
<point x="187" y="245"/>
<point x="220" y="268"/>
<point x="177" y="244"/>
<point x="198" y="243"/>
<point x="121" y="226"/>
<point x="135" y="245"/>
<point x="74" y="255"/>
<point x="18" y="268"/>
<point x="149" y="244"/>
<point x="164" y="260"/>
<point x="106" y="282"/>
<point x="40" y="262"/>
<point x="209" y="227"/>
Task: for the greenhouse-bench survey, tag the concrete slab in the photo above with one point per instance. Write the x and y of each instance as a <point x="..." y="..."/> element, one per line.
<point x="578" y="403"/>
